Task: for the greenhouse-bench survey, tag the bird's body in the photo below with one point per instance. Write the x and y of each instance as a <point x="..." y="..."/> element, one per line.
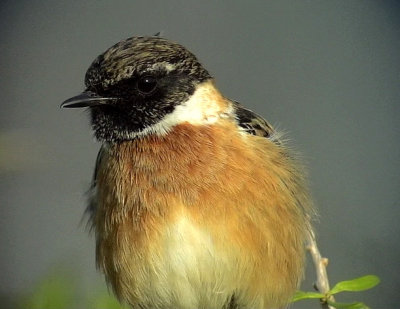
<point x="201" y="207"/>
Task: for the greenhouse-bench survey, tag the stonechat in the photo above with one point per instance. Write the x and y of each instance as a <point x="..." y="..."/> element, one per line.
<point x="195" y="202"/>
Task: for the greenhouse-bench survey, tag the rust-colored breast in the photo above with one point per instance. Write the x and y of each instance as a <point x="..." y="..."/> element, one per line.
<point x="198" y="215"/>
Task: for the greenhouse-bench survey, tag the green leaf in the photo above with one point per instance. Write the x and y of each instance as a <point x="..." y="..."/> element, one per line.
<point x="104" y="300"/>
<point x="55" y="291"/>
<point x="299" y="295"/>
<point x="355" y="305"/>
<point x="355" y="285"/>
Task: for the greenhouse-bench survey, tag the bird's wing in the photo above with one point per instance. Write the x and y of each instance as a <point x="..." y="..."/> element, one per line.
<point x="92" y="192"/>
<point x="254" y="124"/>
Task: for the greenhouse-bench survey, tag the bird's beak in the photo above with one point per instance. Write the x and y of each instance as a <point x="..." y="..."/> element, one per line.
<point x="87" y="99"/>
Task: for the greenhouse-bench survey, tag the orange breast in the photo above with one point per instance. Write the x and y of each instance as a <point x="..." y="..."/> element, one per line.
<point x="200" y="214"/>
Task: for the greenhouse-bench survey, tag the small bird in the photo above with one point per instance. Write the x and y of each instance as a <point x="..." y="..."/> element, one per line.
<point x="195" y="201"/>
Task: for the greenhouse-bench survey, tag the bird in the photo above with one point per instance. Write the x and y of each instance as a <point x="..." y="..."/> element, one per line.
<point x="196" y="201"/>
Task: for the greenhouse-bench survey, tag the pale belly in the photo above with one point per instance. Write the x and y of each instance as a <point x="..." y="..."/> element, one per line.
<point x="187" y="270"/>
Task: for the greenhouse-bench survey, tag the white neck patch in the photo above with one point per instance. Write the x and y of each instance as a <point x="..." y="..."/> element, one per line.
<point x="205" y="106"/>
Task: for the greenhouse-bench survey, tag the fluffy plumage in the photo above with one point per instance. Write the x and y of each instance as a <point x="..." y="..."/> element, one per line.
<point x="195" y="202"/>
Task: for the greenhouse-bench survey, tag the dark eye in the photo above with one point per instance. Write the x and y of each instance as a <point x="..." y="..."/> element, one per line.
<point x="147" y="84"/>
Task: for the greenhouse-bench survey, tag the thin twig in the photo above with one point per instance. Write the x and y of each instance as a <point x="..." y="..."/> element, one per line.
<point x="320" y="264"/>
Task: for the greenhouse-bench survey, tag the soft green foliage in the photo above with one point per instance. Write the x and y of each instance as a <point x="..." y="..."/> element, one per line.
<point x="105" y="301"/>
<point x="299" y="295"/>
<point x="354" y="285"/>
<point x="55" y="291"/>
<point x="59" y="290"/>
<point x="355" y="305"/>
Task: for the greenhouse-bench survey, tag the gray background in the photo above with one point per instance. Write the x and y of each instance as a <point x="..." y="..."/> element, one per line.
<point x="326" y="72"/>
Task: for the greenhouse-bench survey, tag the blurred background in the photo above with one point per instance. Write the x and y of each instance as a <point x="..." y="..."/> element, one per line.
<point x="326" y="72"/>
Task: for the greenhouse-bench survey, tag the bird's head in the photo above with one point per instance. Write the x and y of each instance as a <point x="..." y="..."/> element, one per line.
<point x="135" y="84"/>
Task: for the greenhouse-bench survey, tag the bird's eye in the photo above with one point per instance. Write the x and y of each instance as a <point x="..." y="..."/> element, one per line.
<point x="147" y="84"/>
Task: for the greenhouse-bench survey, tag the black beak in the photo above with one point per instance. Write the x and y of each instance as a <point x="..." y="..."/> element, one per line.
<point x="87" y="99"/>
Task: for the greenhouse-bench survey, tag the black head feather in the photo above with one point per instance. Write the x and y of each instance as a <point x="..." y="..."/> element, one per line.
<point x="145" y="79"/>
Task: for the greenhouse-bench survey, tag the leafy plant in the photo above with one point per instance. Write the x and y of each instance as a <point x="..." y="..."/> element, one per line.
<point x="354" y="285"/>
<point x="59" y="290"/>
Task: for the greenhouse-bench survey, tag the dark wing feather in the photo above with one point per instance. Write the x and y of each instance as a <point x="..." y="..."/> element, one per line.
<point x="254" y="124"/>
<point x="92" y="192"/>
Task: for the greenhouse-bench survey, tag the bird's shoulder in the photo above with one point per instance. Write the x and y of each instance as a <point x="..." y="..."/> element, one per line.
<point x="253" y="124"/>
